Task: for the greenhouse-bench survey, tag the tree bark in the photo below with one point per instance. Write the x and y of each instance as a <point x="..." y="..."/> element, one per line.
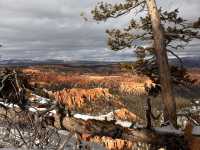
<point x="162" y="61"/>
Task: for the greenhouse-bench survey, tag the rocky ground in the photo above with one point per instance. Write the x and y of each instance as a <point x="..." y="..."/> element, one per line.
<point x="111" y="95"/>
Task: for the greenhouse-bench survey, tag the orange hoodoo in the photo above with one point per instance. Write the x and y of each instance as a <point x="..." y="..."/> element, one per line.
<point x="109" y="143"/>
<point x="125" y="115"/>
<point x="136" y="88"/>
<point x="77" y="97"/>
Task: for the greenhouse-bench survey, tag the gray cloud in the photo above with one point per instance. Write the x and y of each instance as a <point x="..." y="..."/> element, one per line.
<point x="47" y="29"/>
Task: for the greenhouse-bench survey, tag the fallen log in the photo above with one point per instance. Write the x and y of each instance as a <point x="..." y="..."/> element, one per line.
<point x="161" y="138"/>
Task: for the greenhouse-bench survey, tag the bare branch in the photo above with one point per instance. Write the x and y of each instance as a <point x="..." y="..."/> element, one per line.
<point x="179" y="59"/>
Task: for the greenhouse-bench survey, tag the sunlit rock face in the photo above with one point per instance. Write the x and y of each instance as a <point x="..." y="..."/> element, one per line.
<point x="125" y="115"/>
<point x="138" y="88"/>
<point x="123" y="82"/>
<point x="78" y="97"/>
<point x="109" y="143"/>
<point x="195" y="75"/>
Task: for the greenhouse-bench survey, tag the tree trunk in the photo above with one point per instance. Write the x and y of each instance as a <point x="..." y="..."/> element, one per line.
<point x="162" y="61"/>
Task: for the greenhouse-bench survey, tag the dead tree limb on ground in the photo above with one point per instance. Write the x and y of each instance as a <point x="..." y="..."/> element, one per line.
<point x="110" y="129"/>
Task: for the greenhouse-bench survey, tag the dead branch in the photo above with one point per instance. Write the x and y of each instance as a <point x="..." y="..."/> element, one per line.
<point x="65" y="141"/>
<point x="179" y="59"/>
<point x="148" y="113"/>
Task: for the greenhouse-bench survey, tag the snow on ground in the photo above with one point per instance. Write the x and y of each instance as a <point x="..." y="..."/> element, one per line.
<point x="109" y="117"/>
<point x="169" y="129"/>
<point x="70" y="145"/>
<point x="196" y="130"/>
<point x="9" y="105"/>
<point x="40" y="100"/>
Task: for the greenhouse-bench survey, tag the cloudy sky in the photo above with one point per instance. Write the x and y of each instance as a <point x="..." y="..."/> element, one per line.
<point x="54" y="29"/>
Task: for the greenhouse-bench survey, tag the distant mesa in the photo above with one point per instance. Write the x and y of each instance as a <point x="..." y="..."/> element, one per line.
<point x="189" y="62"/>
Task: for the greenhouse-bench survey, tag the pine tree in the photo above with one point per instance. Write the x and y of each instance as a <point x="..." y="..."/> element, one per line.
<point x="164" y="30"/>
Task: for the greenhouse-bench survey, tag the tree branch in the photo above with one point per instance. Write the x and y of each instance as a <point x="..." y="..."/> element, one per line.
<point x="103" y="11"/>
<point x="180" y="60"/>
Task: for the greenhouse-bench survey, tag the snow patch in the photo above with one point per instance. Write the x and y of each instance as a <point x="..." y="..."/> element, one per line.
<point x="196" y="130"/>
<point x="108" y="117"/>
<point x="169" y="129"/>
<point x="41" y="100"/>
<point x="9" y="105"/>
